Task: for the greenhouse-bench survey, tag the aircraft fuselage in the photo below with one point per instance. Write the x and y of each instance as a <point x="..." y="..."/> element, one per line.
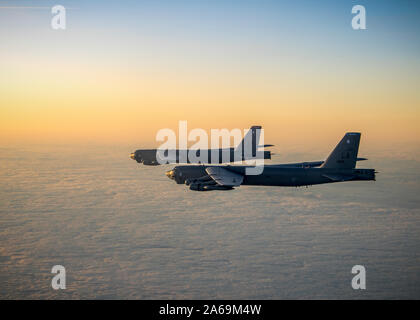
<point x="279" y="175"/>
<point x="214" y="156"/>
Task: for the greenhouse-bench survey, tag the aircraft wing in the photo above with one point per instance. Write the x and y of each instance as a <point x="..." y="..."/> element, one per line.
<point x="224" y="177"/>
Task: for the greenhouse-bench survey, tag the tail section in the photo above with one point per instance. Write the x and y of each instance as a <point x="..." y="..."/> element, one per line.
<point x="255" y="133"/>
<point x="344" y="156"/>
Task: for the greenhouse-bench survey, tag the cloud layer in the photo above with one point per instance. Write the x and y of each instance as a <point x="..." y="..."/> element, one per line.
<point x="124" y="230"/>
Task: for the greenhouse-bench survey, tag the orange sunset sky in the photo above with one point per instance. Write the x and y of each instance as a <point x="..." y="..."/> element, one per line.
<point x="119" y="74"/>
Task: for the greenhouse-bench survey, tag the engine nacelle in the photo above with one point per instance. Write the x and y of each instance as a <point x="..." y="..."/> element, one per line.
<point x="207" y="187"/>
<point x="151" y="163"/>
<point x="196" y="187"/>
<point x="202" y="180"/>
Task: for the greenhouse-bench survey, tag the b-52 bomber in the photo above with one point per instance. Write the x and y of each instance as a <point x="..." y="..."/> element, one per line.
<point x="339" y="166"/>
<point x="149" y="157"/>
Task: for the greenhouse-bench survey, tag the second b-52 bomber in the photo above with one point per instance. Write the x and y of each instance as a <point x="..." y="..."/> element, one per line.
<point x="150" y="157"/>
<point x="339" y="166"/>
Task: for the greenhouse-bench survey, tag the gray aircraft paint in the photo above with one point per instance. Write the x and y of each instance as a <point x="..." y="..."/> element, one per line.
<point x="339" y="166"/>
<point x="225" y="155"/>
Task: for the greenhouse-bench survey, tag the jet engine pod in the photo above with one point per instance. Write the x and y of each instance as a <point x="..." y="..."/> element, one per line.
<point x="215" y="187"/>
<point x="206" y="187"/>
<point x="150" y="163"/>
<point x="136" y="156"/>
<point x="196" y="187"/>
<point x="201" y="180"/>
<point x="176" y="175"/>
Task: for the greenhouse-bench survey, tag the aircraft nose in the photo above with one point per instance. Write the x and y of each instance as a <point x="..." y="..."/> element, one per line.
<point x="170" y="174"/>
<point x="133" y="156"/>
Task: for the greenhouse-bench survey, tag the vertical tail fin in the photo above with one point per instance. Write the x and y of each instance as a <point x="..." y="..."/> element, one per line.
<point x="255" y="133"/>
<point x="344" y="156"/>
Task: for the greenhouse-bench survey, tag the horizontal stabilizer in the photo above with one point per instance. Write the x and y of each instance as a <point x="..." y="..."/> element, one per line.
<point x="224" y="177"/>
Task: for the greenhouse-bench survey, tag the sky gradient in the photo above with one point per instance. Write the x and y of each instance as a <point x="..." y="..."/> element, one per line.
<point x="123" y="70"/>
